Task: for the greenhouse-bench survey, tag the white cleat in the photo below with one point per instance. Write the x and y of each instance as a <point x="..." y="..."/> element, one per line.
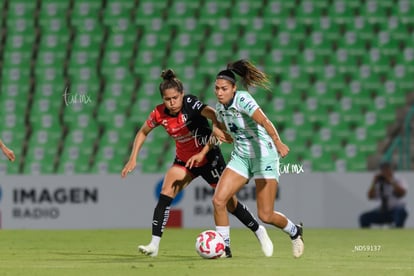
<point x="265" y="241"/>
<point x="297" y="243"/>
<point x="149" y="250"/>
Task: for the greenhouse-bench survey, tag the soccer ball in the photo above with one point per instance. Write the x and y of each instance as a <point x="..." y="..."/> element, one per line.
<point x="210" y="244"/>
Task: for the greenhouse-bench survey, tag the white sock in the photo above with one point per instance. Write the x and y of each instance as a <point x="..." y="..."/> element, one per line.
<point x="155" y="241"/>
<point x="224" y="231"/>
<point x="290" y="228"/>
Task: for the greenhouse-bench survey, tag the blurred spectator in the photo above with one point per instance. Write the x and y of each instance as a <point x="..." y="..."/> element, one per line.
<point x="390" y="190"/>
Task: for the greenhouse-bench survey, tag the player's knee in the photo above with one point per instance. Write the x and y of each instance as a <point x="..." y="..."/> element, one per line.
<point x="218" y="203"/>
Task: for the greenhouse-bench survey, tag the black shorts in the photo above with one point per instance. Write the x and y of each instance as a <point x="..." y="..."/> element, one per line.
<point x="211" y="171"/>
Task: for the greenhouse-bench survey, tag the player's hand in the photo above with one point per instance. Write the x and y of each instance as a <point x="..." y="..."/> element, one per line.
<point x="8" y="153"/>
<point x="227" y="138"/>
<point x="221" y="135"/>
<point x="194" y="160"/>
<point x="129" y="167"/>
<point x="282" y="149"/>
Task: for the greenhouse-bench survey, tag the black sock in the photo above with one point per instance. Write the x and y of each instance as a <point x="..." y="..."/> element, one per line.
<point x="243" y="214"/>
<point x="161" y="214"/>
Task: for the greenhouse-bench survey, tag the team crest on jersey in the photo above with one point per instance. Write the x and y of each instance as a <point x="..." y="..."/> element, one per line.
<point x="164" y="122"/>
<point x="184" y="118"/>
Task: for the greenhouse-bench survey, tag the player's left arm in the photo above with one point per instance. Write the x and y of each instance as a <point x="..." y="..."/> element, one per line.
<point x="260" y="117"/>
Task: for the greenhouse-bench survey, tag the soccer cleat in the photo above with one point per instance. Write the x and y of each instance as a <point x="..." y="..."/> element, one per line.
<point x="297" y="242"/>
<point x="265" y="241"/>
<point x="227" y="253"/>
<point x="149" y="250"/>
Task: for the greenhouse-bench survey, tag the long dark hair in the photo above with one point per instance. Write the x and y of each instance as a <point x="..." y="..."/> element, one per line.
<point x="249" y="73"/>
<point x="170" y="80"/>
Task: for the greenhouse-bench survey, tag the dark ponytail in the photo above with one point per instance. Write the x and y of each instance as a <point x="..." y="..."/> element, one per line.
<point x="250" y="74"/>
<point x="170" y="80"/>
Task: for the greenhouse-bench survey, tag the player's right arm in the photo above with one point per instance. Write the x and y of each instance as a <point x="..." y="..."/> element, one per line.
<point x="7" y="152"/>
<point x="138" y="142"/>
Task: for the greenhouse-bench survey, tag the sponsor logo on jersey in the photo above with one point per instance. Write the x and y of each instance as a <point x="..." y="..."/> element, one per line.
<point x="250" y="105"/>
<point x="230" y="114"/>
<point x="197" y="105"/>
<point x="268" y="168"/>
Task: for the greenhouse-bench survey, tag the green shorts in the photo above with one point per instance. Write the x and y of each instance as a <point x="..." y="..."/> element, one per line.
<point x="256" y="168"/>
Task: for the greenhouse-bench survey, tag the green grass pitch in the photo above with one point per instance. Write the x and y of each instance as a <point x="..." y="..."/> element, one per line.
<point x="113" y="252"/>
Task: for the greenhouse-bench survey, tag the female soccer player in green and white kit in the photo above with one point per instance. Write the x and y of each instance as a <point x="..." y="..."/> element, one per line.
<point x="256" y="152"/>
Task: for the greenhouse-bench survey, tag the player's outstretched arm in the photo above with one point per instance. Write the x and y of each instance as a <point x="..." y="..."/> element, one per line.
<point x="7" y="152"/>
<point x="138" y="142"/>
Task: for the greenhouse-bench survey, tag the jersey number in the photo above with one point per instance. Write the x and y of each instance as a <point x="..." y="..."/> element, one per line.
<point x="215" y="173"/>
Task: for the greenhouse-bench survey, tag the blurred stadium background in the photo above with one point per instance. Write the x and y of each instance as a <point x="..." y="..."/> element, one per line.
<point x="342" y="77"/>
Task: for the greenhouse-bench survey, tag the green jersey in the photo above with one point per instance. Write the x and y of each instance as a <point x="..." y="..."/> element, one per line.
<point x="250" y="139"/>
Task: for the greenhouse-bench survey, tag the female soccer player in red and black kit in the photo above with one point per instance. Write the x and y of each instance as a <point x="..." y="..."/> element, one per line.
<point x="184" y="118"/>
